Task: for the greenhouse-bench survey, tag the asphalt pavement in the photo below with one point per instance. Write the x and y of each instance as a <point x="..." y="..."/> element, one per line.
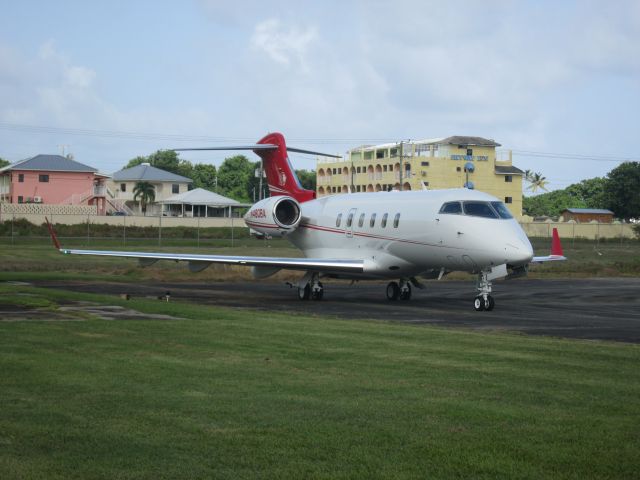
<point x="597" y="309"/>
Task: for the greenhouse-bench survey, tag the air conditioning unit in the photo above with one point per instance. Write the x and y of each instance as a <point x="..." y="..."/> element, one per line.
<point x="37" y="199"/>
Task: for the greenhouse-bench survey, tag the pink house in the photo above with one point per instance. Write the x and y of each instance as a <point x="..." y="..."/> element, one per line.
<point x="52" y="179"/>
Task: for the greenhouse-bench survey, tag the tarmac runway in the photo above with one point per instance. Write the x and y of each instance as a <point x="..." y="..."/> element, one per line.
<point x="596" y="309"/>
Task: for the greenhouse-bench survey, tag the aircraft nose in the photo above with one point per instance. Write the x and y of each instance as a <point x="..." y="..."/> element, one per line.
<point x="518" y="251"/>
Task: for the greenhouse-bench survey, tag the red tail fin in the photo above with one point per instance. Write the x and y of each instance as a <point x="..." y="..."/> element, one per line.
<point x="556" y="246"/>
<point x="281" y="178"/>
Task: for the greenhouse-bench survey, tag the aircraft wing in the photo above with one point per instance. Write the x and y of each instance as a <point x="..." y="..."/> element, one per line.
<point x="200" y="262"/>
<point x="556" y="250"/>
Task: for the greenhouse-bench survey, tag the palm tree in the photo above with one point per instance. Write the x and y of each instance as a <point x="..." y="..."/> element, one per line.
<point x="147" y="194"/>
<point x="536" y="181"/>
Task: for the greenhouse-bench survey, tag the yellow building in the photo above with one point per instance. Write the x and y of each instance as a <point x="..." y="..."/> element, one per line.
<point x="425" y="164"/>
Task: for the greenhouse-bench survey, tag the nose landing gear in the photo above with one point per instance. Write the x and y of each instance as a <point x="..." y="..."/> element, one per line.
<point x="484" y="301"/>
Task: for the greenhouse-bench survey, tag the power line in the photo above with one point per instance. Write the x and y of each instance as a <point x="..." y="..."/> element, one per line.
<point x="575" y="156"/>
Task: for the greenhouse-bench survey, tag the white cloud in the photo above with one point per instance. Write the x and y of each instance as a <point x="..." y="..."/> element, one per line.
<point x="284" y="45"/>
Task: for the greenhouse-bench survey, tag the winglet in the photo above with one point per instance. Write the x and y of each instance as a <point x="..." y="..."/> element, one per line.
<point x="52" y="232"/>
<point x="556" y="246"/>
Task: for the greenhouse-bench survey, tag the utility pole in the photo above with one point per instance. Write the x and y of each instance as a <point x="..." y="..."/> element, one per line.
<point x="401" y="142"/>
<point x="260" y="181"/>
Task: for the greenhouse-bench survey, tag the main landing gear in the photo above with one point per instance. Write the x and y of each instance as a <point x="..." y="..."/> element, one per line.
<point x="312" y="288"/>
<point x="484" y="301"/>
<point x="399" y="290"/>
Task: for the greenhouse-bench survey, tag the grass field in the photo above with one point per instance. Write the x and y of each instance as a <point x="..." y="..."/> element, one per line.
<point x="219" y="394"/>
<point x="28" y="261"/>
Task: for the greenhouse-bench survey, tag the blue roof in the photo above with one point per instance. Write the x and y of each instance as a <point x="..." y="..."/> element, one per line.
<point x="589" y="210"/>
<point x="49" y="163"/>
<point x="148" y="173"/>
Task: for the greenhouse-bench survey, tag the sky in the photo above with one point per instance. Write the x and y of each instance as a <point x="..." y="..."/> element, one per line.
<point x="108" y="81"/>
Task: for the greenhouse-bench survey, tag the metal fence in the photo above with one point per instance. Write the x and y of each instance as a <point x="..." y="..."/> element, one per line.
<point x="223" y="232"/>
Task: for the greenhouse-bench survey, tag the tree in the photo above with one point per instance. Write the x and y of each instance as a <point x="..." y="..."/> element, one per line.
<point x="204" y="176"/>
<point x="3" y="162"/>
<point x="146" y="192"/>
<point x="622" y="190"/>
<point x="235" y="177"/>
<point x="167" y="160"/>
<point x="591" y="192"/>
<point x="536" y="181"/>
<point x="307" y="179"/>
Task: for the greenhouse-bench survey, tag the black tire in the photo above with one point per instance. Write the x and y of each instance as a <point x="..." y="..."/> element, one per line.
<point x="393" y="291"/>
<point x="478" y="304"/>
<point x="406" y="294"/>
<point x="317" y="294"/>
<point x="304" y="293"/>
<point x="489" y="303"/>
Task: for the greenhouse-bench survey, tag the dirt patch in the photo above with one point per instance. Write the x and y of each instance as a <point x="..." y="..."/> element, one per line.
<point x="75" y="312"/>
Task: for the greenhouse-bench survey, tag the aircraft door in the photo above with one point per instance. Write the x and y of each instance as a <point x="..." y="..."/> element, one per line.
<point x="350" y="220"/>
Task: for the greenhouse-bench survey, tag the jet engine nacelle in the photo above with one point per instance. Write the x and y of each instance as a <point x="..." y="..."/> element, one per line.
<point x="275" y="216"/>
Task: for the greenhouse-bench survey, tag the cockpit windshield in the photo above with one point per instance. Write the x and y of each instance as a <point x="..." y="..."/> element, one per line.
<point x="477" y="209"/>
<point x="502" y="209"/>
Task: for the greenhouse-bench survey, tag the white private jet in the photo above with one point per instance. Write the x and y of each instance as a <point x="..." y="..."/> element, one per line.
<point x="370" y="236"/>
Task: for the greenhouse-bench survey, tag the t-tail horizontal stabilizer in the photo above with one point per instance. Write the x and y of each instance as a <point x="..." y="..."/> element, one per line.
<point x="556" y="250"/>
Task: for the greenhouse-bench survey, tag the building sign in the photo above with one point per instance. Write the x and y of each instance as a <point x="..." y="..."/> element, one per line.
<point x="480" y="158"/>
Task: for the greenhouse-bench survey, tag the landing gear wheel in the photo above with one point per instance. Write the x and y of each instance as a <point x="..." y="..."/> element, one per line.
<point x="478" y="303"/>
<point x="304" y="293"/>
<point x="317" y="294"/>
<point x="405" y="294"/>
<point x="489" y="303"/>
<point x="393" y="291"/>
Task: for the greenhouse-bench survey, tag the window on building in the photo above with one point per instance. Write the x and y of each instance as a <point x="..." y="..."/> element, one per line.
<point x="426" y="184"/>
<point x="372" y="222"/>
<point x="175" y="188"/>
<point x="339" y="220"/>
<point x="381" y="153"/>
<point x="361" y="220"/>
<point x="394" y="152"/>
<point x="123" y="187"/>
<point x="20" y="199"/>
<point x="407" y="167"/>
<point x="43" y="178"/>
<point x="383" y="222"/>
<point x="424" y="164"/>
<point x="458" y="169"/>
<point x="357" y="188"/>
<point x="384" y="168"/>
<point x="508" y="199"/>
<point x="358" y="170"/>
<point x="335" y="171"/>
<point x="469" y="152"/>
<point x="508" y="178"/>
<point x="21" y="177"/>
<point x="396" y="220"/>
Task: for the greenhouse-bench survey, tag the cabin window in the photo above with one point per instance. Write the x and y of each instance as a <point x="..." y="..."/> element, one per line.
<point x="21" y="177"/>
<point x="383" y="222"/>
<point x="479" y="209"/>
<point x="43" y="178"/>
<point x="350" y="220"/>
<point x="396" y="220"/>
<point x="502" y="210"/>
<point x="451" y="208"/>
<point x="372" y="222"/>
<point x="339" y="220"/>
<point x="175" y="188"/>
<point x="508" y="178"/>
<point x="361" y="220"/>
<point x="123" y="187"/>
